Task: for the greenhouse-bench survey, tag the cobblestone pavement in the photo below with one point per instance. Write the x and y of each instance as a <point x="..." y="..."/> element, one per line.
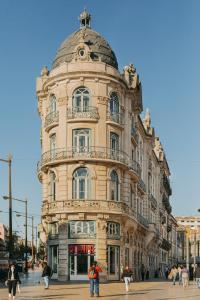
<point x="111" y="291"/>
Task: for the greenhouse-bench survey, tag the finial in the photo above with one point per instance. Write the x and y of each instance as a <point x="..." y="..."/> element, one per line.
<point x="147" y="119"/>
<point x="85" y="19"/>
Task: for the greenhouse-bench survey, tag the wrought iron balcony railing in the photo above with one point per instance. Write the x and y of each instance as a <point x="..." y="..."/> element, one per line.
<point x="153" y="201"/>
<point x="51" y="118"/>
<point x="134" y="135"/>
<point x="115" y="117"/>
<point x="85" y="153"/>
<point x="142" y="220"/>
<point x="134" y="165"/>
<point x="85" y="112"/>
<point x="141" y="185"/>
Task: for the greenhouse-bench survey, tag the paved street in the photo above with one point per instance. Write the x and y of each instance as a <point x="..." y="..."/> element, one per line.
<point x="112" y="291"/>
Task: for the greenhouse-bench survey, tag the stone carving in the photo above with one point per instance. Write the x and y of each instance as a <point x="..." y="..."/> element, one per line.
<point x="131" y="76"/>
<point x="44" y="71"/>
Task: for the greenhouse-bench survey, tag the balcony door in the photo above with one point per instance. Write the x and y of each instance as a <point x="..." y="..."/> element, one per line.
<point x="52" y="146"/>
<point x="81" y="140"/>
<point x="81" y="100"/>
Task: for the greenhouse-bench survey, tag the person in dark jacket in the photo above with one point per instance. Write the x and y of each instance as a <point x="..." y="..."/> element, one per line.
<point x="46" y="274"/>
<point x="197" y="275"/>
<point x="126" y="276"/>
<point x="13" y="279"/>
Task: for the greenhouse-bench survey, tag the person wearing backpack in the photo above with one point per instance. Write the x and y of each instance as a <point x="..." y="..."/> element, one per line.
<point x="93" y="274"/>
<point x="46" y="274"/>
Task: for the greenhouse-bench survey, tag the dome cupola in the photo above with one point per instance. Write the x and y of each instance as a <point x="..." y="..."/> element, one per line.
<point x="84" y="44"/>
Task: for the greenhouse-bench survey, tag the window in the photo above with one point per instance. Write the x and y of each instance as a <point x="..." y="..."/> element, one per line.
<point x="52" y="102"/>
<point x="53" y="228"/>
<point x="52" y="145"/>
<point x="81" y="99"/>
<point x="114" y="141"/>
<point x="114" y="189"/>
<point x="114" y="103"/>
<point x="81" y="140"/>
<point x="113" y="230"/>
<point x="82" y="229"/>
<point x="80" y="184"/>
<point x="52" y="186"/>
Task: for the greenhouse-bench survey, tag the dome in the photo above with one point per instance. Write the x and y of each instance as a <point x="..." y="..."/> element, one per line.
<point x="99" y="47"/>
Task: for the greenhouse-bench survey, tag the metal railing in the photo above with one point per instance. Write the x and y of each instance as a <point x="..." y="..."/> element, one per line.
<point x="142" y="185"/>
<point x="142" y="220"/>
<point x="134" y="165"/>
<point x="84" y="153"/>
<point x="115" y="117"/>
<point x="134" y="134"/>
<point x="51" y="118"/>
<point x="153" y="201"/>
<point x="85" y="112"/>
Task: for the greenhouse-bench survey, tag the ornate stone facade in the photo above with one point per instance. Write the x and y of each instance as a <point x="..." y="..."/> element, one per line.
<point x="104" y="174"/>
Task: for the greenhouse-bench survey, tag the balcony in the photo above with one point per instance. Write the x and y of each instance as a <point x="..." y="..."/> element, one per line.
<point x="116" y="118"/>
<point x="142" y="220"/>
<point x="53" y="236"/>
<point x="153" y="201"/>
<point x="82" y="114"/>
<point x="135" y="168"/>
<point x="51" y="120"/>
<point x="94" y="206"/>
<point x="167" y="205"/>
<point x="134" y="135"/>
<point x="142" y="186"/>
<point x="84" y="153"/>
<point x="166" y="184"/>
<point x="165" y="245"/>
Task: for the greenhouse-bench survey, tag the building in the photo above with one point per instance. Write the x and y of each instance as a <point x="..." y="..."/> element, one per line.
<point x="3" y="240"/>
<point x="104" y="173"/>
<point x="188" y="226"/>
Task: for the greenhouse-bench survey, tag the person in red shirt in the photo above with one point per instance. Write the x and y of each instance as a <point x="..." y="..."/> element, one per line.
<point x="93" y="274"/>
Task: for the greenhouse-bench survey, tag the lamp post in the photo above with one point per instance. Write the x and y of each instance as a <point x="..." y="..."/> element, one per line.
<point x="9" y="162"/>
<point x="26" y="216"/>
<point x="32" y="226"/>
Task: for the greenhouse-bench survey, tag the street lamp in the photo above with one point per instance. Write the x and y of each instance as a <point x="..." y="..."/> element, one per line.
<point x="9" y="162"/>
<point x="26" y="225"/>
<point x="26" y="214"/>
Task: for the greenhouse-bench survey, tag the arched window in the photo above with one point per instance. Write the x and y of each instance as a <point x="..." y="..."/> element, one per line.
<point x="113" y="230"/>
<point x="81" y="99"/>
<point x="114" y="103"/>
<point x="52" y="106"/>
<point x="114" y="141"/>
<point x="81" y="184"/>
<point x="114" y="189"/>
<point x="52" y="186"/>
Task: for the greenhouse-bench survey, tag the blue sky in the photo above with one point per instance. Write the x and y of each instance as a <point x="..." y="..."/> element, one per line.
<point x="161" y="38"/>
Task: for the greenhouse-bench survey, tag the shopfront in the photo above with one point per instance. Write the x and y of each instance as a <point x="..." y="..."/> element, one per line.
<point x="80" y="259"/>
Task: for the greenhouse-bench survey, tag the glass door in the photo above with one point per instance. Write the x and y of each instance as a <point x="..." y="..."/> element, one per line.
<point x="113" y="259"/>
<point x="54" y="260"/>
<point x="81" y="140"/>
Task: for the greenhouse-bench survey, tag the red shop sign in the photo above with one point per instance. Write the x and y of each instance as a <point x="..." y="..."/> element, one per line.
<point x="81" y="249"/>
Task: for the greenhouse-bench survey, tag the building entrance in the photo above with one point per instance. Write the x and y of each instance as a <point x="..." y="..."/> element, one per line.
<point x="113" y="262"/>
<point x="81" y="258"/>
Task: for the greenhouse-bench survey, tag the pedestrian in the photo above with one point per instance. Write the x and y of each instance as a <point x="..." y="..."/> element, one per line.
<point x="185" y="276"/>
<point x="142" y="272"/>
<point x="197" y="275"/>
<point x="46" y="274"/>
<point x="166" y="272"/>
<point x="126" y="276"/>
<point x="147" y="274"/>
<point x="12" y="280"/>
<point x="174" y="273"/>
<point x="93" y="274"/>
<point x="180" y="275"/>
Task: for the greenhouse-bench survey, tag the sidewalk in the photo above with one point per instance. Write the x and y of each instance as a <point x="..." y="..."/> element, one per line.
<point x="111" y="291"/>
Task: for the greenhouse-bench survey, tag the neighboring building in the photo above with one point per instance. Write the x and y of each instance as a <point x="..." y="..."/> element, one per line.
<point x="3" y="240"/>
<point x="104" y="174"/>
<point x="191" y="224"/>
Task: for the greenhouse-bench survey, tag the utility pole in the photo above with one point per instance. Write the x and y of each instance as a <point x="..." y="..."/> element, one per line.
<point x="9" y="162"/>
<point x="36" y="241"/>
<point x="26" y="234"/>
<point x="32" y="238"/>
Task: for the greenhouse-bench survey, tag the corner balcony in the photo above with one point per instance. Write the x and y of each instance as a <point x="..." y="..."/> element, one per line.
<point x="51" y="120"/>
<point x="85" y="206"/>
<point x="135" y="169"/>
<point x="91" y="154"/>
<point x="82" y="114"/>
<point x="115" y="118"/>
